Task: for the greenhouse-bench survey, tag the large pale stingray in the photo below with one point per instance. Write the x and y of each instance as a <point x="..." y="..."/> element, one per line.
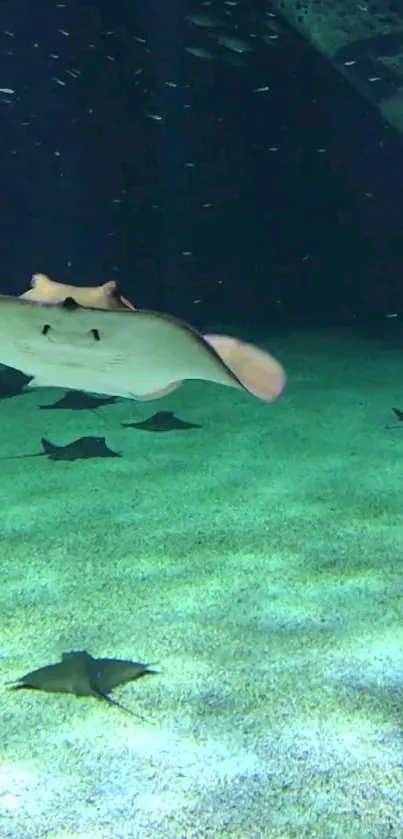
<point x="94" y="340"/>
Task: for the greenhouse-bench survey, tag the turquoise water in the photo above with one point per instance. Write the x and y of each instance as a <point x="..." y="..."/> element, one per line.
<point x="256" y="561"/>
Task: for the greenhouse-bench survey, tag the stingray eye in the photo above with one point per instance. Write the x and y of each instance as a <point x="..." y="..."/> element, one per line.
<point x="96" y="334"/>
<point x="45" y="329"/>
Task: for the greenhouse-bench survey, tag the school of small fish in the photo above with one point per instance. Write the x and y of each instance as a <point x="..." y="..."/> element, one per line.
<point x="228" y="36"/>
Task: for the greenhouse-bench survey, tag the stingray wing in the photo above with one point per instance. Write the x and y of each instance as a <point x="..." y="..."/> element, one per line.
<point x="51" y="678"/>
<point x="109" y="673"/>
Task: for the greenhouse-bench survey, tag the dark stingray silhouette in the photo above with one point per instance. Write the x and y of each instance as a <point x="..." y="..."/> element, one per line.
<point x="12" y="383"/>
<point x="83" y="448"/>
<point x="77" y="400"/>
<point x="81" y="674"/>
<point x="161" y="421"/>
<point x="398" y="414"/>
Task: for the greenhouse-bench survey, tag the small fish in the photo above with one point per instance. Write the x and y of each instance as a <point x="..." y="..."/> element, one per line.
<point x="271" y="40"/>
<point x="155" y="117"/>
<point x="199" y="52"/>
<point x="272" y="24"/>
<point x="234" y="44"/>
<point x="204" y="21"/>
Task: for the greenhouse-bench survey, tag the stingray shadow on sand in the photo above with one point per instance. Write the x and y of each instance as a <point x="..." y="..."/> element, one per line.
<point x="77" y="400"/>
<point x="161" y="422"/>
<point x="84" y="448"/>
<point x="82" y="675"/>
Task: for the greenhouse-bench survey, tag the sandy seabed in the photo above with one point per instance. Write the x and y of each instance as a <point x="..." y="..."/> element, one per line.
<point x="258" y="561"/>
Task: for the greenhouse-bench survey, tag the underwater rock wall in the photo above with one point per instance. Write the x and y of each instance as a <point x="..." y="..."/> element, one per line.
<point x="364" y="41"/>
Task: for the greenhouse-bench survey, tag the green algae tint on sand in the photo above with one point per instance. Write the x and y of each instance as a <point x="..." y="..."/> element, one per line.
<point x="264" y="584"/>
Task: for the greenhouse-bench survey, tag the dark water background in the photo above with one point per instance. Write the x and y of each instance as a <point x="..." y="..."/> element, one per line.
<point x="257" y="207"/>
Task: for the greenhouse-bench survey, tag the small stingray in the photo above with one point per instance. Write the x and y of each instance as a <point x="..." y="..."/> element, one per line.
<point x="81" y="674"/>
<point x="83" y="448"/>
<point x="162" y="421"/>
<point x="76" y="400"/>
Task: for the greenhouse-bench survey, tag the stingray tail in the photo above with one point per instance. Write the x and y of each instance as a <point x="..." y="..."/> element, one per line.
<point x="122" y="707"/>
<point x="22" y="456"/>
